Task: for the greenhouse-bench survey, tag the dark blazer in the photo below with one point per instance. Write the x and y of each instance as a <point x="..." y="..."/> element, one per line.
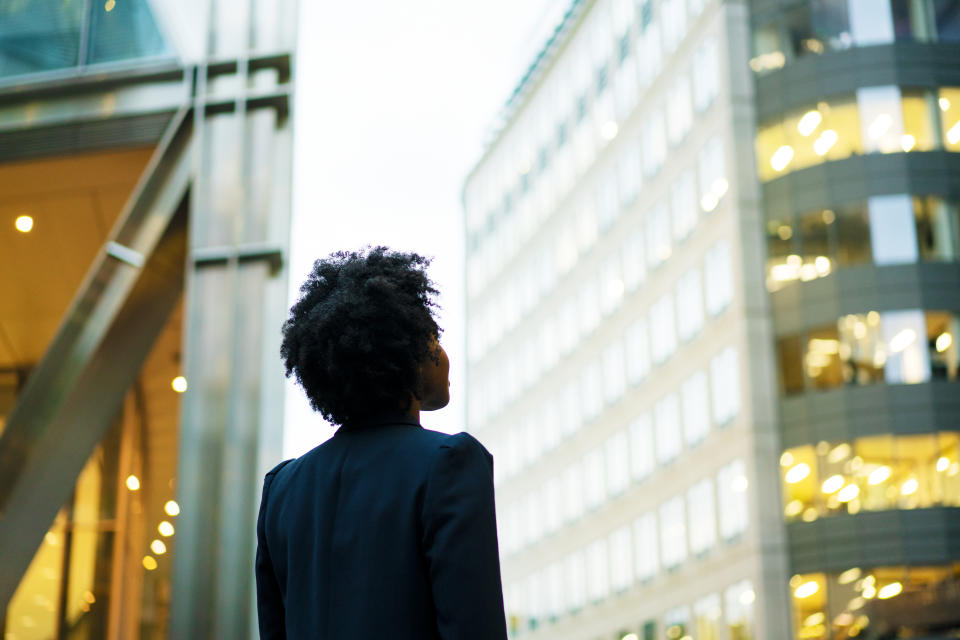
<point x="387" y="530"/>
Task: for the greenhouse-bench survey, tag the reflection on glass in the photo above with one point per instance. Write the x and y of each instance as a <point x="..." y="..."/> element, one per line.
<point x="41" y="35"/>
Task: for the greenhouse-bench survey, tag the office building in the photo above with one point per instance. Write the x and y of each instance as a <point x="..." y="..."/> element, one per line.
<point x="692" y="222"/>
<point x="145" y="152"/>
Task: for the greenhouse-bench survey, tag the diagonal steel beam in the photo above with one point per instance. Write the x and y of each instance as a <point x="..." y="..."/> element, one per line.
<point x="75" y="391"/>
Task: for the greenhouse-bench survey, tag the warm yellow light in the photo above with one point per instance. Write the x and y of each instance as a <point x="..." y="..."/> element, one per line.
<point x="954" y="469"/>
<point x="829" y="347"/>
<point x="149" y="563"/>
<point x="856" y="603"/>
<point x="909" y="487"/>
<point x="179" y="384"/>
<point x="165" y="528"/>
<point x="24" y="224"/>
<point x="902" y="340"/>
<point x="944" y="340"/>
<point x="829" y="217"/>
<point x="822" y="263"/>
<point x="907" y="142"/>
<point x="878" y="475"/>
<point x="797" y="473"/>
<point x="793" y="509"/>
<point x="890" y="590"/>
<point x="172" y="508"/>
<point x="609" y="130"/>
<point x="842" y="450"/>
<point x="110" y="4"/>
<point x="89" y="597"/>
<point x="848" y="493"/>
<point x="781" y="158"/>
<point x="825" y="142"/>
<point x="816" y="618"/>
<point x="953" y="135"/>
<point x="849" y="575"/>
<point x="806" y="590"/>
<point x="809" y="123"/>
<point x="943" y="463"/>
<point x="810" y="514"/>
<point x="133" y="482"/>
<point x="630" y="636"/>
<point x="785" y="232"/>
<point x="944" y="104"/>
<point x="832" y="484"/>
<point x="869" y="591"/>
<point x="158" y="547"/>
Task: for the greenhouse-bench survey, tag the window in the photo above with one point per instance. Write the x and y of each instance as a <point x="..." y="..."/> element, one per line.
<point x="683" y="206"/>
<point x="589" y="306"/>
<point x="713" y="174"/>
<point x="706" y="74"/>
<point x="641" y="447"/>
<point x="696" y="419"/>
<point x="621" y="559"/>
<point x="679" y="110"/>
<point x="598" y="570"/>
<point x="555" y="589"/>
<point x="667" y="422"/>
<point x="908" y="358"/>
<point x="674" y="17"/>
<point x="611" y="285"/>
<point x="689" y="305"/>
<point x="614" y="375"/>
<point x="646" y="560"/>
<point x="654" y="142"/>
<point x="629" y="170"/>
<point x="938" y="229"/>
<point x="571" y="414"/>
<point x="718" y="278"/>
<point x="595" y="491"/>
<point x="531" y="441"/>
<point x="702" y="519"/>
<point x="663" y="336"/>
<point x="892" y="229"/>
<point x="638" y="352"/>
<point x="657" y="227"/>
<point x="573" y="492"/>
<point x="634" y="260"/>
<point x="547" y="351"/>
<point x="738" y="602"/>
<point x="732" y="499"/>
<point x="569" y="328"/>
<point x="881" y="119"/>
<point x="533" y="518"/>
<point x="673" y="533"/>
<point x="725" y="385"/>
<point x="553" y="505"/>
<point x="649" y="45"/>
<point x="676" y="622"/>
<point x="707" y="616"/>
<point x="591" y="388"/>
<point x="617" y="463"/>
<point x="586" y="226"/>
<point x="575" y="578"/>
<point x="608" y="205"/>
<point x="949" y="102"/>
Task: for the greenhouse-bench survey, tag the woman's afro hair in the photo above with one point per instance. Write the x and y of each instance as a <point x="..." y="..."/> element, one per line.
<point x="357" y="336"/>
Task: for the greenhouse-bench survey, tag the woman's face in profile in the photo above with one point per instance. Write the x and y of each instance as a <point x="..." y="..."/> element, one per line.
<point x="435" y="379"/>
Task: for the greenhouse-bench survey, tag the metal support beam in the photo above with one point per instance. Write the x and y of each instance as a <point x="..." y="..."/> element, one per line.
<point x="73" y="394"/>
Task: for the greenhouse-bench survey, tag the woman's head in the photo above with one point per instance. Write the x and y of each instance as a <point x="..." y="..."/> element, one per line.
<point x="362" y="340"/>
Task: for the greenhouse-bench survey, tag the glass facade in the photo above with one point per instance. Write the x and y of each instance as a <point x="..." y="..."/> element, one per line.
<point x="875" y="473"/>
<point x="877" y="602"/>
<point x="811" y="28"/>
<point x="885" y="119"/>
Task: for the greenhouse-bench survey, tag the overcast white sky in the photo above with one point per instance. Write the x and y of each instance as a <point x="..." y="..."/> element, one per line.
<point x="392" y="103"/>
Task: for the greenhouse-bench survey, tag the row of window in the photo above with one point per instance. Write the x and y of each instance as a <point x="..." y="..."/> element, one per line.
<point x="683" y="527"/>
<point x="535" y="173"/>
<point x="882" y="230"/>
<point x="882" y="602"/>
<point x="893" y="347"/>
<point x="709" y="618"/>
<point x="885" y="119"/>
<point x="666" y="225"/>
<point x="800" y="29"/>
<point x="871" y="474"/>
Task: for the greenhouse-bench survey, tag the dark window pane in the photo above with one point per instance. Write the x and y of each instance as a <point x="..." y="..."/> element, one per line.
<point x="853" y="235"/>
<point x="902" y="24"/>
<point x="791" y="364"/>
<point x="126" y="31"/>
<point x="938" y="229"/>
<point x="39" y="35"/>
<point x="947" y="18"/>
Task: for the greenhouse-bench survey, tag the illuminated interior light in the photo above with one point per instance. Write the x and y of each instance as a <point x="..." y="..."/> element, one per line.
<point x="133" y="483"/>
<point x="809" y="123"/>
<point x="856" y="603"/>
<point x="786" y="459"/>
<point x="720" y="187"/>
<point x="848" y="493"/>
<point x="806" y="590"/>
<point x="954" y="469"/>
<point x="23" y="224"/>
<point x="944" y="104"/>
<point x="795" y="261"/>
<point x="797" y="473"/>
<point x="89" y="597"/>
<point x="832" y="484"/>
<point x="822" y="265"/>
<point x="890" y="590"/>
<point x="873" y="318"/>
<point x="944" y="340"/>
<point x="859" y="330"/>
<point x="839" y="452"/>
<point x="909" y="487"/>
<point x="902" y="340"/>
<point x="829" y="217"/>
<point x="880" y="125"/>
<point x="740" y="484"/>
<point x="830" y="347"/>
<point x="630" y="636"/>
<point x="943" y="464"/>
<point x="878" y="475"/>
<point x="709" y="202"/>
<point x="609" y="130"/>
<point x="814" y="619"/>
<point x="907" y="142"/>
<point x="825" y="142"/>
<point x="179" y="384"/>
<point x="110" y="4"/>
<point x="158" y="547"/>
<point x="748" y="597"/>
<point x="810" y="514"/>
<point x="849" y="575"/>
<point x="869" y="591"/>
<point x="149" y="563"/>
<point x="953" y="135"/>
<point x="781" y="158"/>
<point x="166" y="529"/>
<point x="793" y="509"/>
<point x="172" y="508"/>
<point x="808" y="272"/>
<point x="785" y="232"/>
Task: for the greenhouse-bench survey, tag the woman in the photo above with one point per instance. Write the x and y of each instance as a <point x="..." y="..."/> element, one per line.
<point x="387" y="530"/>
